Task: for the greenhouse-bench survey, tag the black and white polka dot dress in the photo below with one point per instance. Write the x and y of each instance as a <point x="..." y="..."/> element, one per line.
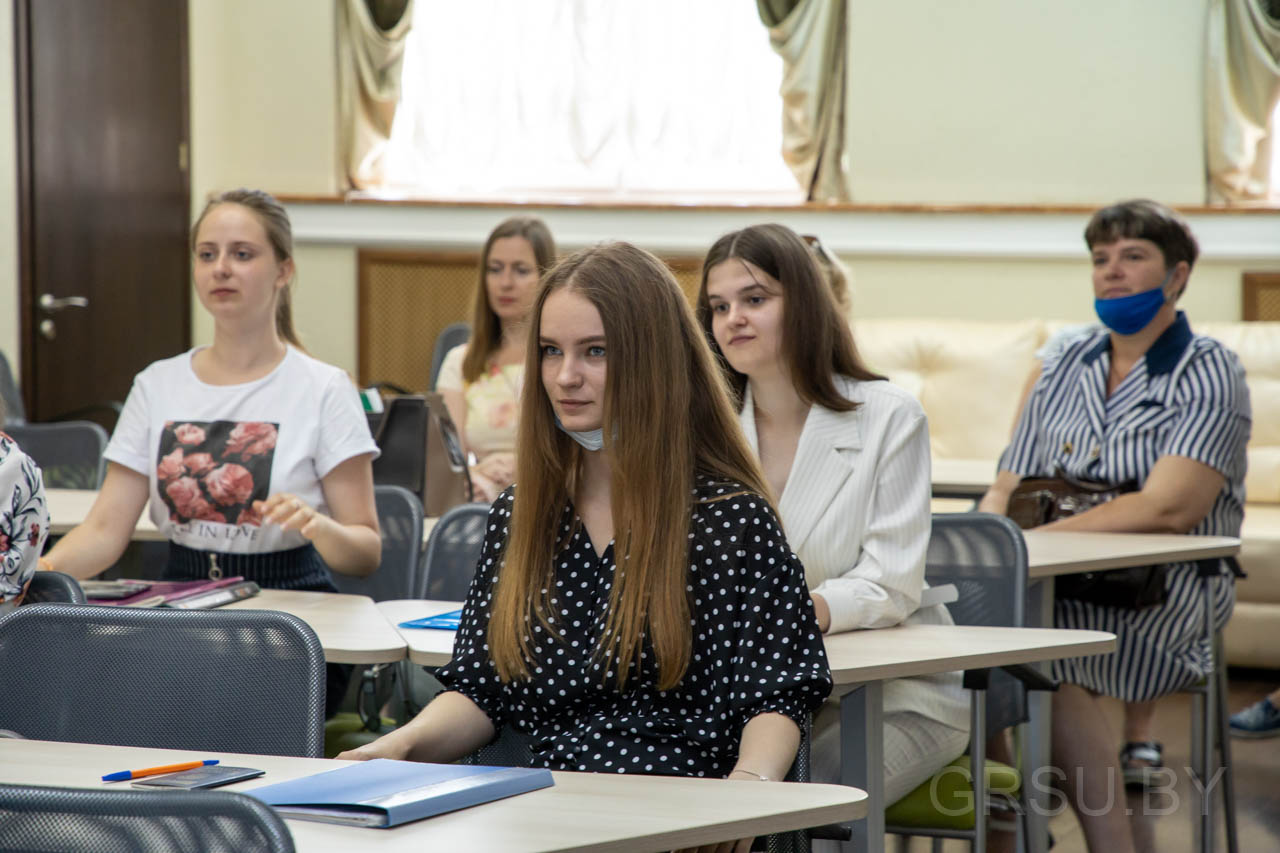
<point x="756" y="649"/>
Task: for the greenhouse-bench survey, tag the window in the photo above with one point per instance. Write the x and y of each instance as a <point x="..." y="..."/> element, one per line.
<point x="563" y="98"/>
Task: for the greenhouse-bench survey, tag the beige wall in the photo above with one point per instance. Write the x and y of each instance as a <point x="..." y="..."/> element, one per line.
<point x="1011" y="289"/>
<point x="263" y="85"/>
<point x="1035" y="102"/>
<point x="8" y="191"/>
<point x="987" y="101"/>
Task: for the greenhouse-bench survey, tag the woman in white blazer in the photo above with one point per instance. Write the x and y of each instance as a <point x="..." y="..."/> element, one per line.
<point x="847" y="455"/>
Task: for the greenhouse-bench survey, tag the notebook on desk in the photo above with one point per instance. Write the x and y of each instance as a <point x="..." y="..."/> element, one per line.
<point x="385" y="793"/>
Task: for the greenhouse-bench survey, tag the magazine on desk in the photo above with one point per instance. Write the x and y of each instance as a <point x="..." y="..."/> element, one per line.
<point x="385" y="793"/>
<point x="186" y="595"/>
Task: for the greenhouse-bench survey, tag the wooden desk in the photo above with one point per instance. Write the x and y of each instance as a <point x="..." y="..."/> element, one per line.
<point x="962" y="478"/>
<point x="69" y="507"/>
<point x="1051" y="553"/>
<point x="350" y="628"/>
<point x="583" y="811"/>
<point x="861" y="658"/>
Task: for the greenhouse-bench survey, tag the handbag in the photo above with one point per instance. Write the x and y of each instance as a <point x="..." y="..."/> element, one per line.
<point x="448" y="482"/>
<point x="1040" y="500"/>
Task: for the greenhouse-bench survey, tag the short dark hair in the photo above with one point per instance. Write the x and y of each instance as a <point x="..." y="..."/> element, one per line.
<point x="1143" y="219"/>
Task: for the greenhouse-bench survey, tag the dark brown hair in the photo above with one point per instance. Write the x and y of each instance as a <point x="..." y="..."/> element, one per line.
<point x="1143" y="219"/>
<point x="816" y="341"/>
<point x="664" y="399"/>
<point x="275" y="222"/>
<point x="486" y="328"/>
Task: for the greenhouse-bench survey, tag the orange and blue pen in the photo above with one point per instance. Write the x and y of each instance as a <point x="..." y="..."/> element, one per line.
<point x="155" y="771"/>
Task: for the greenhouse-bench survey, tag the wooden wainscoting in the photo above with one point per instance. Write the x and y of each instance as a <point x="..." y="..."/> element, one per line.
<point x="1261" y="296"/>
<point x="407" y="297"/>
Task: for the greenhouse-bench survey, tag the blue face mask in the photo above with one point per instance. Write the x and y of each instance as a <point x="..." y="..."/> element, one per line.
<point x="1128" y="315"/>
<point x="592" y="439"/>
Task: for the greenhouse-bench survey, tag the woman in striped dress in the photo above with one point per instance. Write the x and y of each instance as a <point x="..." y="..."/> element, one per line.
<point x="1146" y="400"/>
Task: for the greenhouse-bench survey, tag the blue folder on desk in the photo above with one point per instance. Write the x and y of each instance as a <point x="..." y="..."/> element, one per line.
<point x="444" y="621"/>
<point x="385" y="793"/>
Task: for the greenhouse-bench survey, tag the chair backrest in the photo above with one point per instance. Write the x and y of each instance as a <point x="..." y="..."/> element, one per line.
<point x="69" y="453"/>
<point x="453" y="549"/>
<point x="450" y="336"/>
<point x="14" y="412"/>
<point x="400" y="517"/>
<point x="38" y="818"/>
<point x="223" y="680"/>
<point x="985" y="556"/>
<point x="402" y="438"/>
<point x="53" y="587"/>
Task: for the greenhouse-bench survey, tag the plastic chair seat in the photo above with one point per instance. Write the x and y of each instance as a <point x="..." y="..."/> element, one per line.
<point x="945" y="801"/>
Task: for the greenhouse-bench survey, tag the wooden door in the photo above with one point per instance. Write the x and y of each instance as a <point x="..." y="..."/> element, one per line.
<point x="104" y="196"/>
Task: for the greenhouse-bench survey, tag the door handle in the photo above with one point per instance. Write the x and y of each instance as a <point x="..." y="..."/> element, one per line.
<point x="50" y="303"/>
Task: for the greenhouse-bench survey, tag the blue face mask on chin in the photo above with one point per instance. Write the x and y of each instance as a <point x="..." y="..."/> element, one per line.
<point x="1128" y="315"/>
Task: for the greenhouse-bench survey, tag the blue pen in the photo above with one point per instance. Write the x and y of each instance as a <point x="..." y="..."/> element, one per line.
<point x="124" y="775"/>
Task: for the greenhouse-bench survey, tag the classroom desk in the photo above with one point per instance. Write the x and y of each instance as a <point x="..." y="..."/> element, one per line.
<point x="350" y="628"/>
<point x="69" y="507"/>
<point x="1051" y="553"/>
<point x="962" y="478"/>
<point x="859" y="659"/>
<point x="583" y="811"/>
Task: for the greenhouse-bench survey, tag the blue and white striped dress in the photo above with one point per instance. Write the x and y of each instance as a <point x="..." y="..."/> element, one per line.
<point x="1185" y="397"/>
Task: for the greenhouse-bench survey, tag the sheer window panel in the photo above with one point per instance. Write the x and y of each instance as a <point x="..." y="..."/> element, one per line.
<point x="654" y="98"/>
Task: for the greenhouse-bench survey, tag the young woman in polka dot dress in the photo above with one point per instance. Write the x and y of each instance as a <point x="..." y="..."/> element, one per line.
<point x="636" y="608"/>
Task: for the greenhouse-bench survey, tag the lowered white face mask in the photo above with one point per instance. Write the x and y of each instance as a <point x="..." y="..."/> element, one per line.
<point x="592" y="439"/>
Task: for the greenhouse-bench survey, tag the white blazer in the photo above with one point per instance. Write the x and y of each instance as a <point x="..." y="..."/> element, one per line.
<point x="856" y="512"/>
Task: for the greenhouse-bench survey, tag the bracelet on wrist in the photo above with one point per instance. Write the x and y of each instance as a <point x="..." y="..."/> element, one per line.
<point x="749" y="773"/>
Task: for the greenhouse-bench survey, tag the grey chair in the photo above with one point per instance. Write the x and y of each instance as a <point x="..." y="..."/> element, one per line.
<point x="53" y="587"/>
<point x="400" y="517"/>
<point x="985" y="557"/>
<point x="397" y="577"/>
<point x="450" y="336"/>
<point x="36" y="818"/>
<point x="222" y="680"/>
<point x="69" y="453"/>
<point x="453" y="549"/>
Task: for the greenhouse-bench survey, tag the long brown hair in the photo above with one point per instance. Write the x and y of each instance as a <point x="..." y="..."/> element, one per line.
<point x="816" y="342"/>
<point x="275" y="222"/>
<point x="486" y="328"/>
<point x="667" y="415"/>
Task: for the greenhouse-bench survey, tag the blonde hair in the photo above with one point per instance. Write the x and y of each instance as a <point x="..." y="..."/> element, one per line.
<point x="664" y="399"/>
<point x="271" y="214"/>
<point x="486" y="328"/>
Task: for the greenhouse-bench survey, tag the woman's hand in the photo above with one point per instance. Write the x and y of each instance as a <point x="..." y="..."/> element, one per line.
<point x="499" y="468"/>
<point x="291" y="512"/>
<point x="384" y="747"/>
<point x="822" y="611"/>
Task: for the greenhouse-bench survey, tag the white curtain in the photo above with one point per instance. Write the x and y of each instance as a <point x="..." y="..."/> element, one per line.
<point x="553" y="97"/>
<point x="370" y="49"/>
<point x="812" y="37"/>
<point x="1242" y="90"/>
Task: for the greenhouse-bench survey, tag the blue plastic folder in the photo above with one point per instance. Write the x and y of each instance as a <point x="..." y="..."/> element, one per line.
<point x="444" y="621"/>
<point x="386" y="793"/>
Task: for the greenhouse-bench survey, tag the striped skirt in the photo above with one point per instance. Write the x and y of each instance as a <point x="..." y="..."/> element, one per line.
<point x="1158" y="649"/>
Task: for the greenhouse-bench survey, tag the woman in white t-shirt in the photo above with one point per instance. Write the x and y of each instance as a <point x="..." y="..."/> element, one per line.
<point x="256" y="457"/>
<point x="481" y="379"/>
